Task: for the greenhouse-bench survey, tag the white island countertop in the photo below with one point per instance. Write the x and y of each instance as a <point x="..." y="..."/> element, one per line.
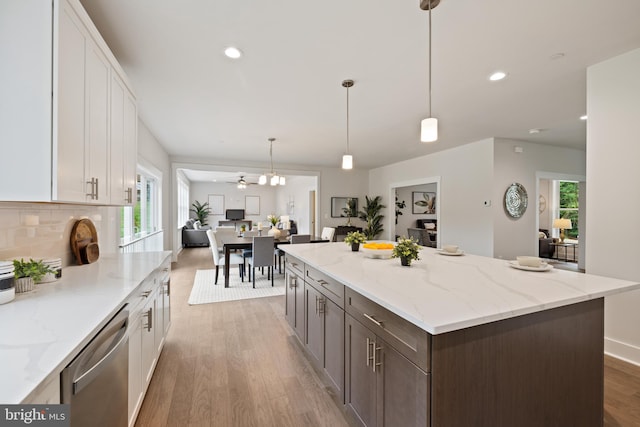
<point x="44" y="329"/>
<point x="441" y="293"/>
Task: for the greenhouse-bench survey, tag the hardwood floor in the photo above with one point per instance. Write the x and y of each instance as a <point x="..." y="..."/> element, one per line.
<point x="238" y="364"/>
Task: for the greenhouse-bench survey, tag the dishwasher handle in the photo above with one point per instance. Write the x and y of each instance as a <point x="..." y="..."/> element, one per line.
<point x="116" y="329"/>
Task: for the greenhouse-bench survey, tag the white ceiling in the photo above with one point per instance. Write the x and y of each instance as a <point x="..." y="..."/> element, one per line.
<point x="198" y="103"/>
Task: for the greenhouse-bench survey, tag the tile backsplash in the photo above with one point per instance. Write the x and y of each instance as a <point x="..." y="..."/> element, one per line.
<point x="44" y="229"/>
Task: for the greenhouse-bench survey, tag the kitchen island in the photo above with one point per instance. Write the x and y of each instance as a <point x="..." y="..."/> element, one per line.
<point x="452" y="340"/>
<point x="43" y="330"/>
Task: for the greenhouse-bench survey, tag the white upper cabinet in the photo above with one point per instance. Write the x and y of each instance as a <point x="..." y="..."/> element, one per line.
<point x="64" y="142"/>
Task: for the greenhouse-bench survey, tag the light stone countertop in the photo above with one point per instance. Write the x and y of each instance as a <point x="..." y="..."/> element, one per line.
<point x="441" y="293"/>
<point x="42" y="330"/>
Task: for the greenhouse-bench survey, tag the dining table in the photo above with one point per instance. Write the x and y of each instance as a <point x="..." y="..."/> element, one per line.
<point x="232" y="243"/>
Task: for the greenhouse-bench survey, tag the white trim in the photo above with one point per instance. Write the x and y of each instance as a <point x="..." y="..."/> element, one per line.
<point x="391" y="219"/>
<point x="622" y="351"/>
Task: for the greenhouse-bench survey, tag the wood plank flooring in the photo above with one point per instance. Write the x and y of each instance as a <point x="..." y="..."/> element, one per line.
<point x="237" y="364"/>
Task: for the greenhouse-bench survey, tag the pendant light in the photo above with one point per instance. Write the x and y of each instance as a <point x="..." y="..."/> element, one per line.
<point x="274" y="179"/>
<point x="429" y="126"/>
<point x="347" y="158"/>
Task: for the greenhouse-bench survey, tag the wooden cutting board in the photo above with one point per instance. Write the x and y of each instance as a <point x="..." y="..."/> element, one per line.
<point x="83" y="235"/>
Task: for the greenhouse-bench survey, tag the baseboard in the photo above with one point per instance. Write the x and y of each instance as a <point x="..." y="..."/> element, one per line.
<point x="622" y="351"/>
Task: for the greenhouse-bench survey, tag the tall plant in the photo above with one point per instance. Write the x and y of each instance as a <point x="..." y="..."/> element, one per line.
<point x="202" y="211"/>
<point x="371" y="214"/>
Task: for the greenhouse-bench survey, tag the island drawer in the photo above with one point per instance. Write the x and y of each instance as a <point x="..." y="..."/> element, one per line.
<point x="294" y="264"/>
<point x="329" y="287"/>
<point x="411" y="341"/>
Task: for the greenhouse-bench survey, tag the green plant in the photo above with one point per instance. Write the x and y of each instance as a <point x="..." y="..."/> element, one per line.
<point x="32" y="268"/>
<point x="350" y="210"/>
<point x="371" y="214"/>
<point x="202" y="211"/>
<point x="273" y="219"/>
<point x="399" y="206"/>
<point x="406" y="248"/>
<point x="355" y="237"/>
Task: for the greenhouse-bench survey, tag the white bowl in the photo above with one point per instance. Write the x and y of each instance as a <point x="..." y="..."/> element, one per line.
<point x="377" y="253"/>
<point x="529" y="261"/>
<point x="450" y="248"/>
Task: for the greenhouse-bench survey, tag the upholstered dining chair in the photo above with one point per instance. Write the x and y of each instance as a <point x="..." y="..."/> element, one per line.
<point x="262" y="256"/>
<point x="218" y="257"/>
<point x="246" y="253"/>
<point x="328" y="233"/>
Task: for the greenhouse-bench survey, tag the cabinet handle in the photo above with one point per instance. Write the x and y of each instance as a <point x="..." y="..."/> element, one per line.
<point x="93" y="189"/>
<point x="369" y="357"/>
<point x="167" y="289"/>
<point x="323" y="282"/>
<point x="146" y="293"/>
<point x="321" y="303"/>
<point x="375" y="351"/>
<point x="293" y="283"/>
<point x="377" y="322"/>
<point x="128" y="195"/>
<point x="149" y="315"/>
<point x="97" y="197"/>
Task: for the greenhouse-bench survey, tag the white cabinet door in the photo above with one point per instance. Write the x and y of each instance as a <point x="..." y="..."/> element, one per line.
<point x="118" y="196"/>
<point x="130" y="158"/>
<point x="149" y="350"/>
<point x="136" y="388"/>
<point x="69" y="145"/>
<point x="97" y="142"/>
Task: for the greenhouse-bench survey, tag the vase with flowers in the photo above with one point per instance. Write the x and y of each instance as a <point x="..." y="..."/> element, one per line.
<point x="407" y="250"/>
<point x="274" y="220"/>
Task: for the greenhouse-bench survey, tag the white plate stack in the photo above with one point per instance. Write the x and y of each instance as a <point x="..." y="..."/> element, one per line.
<point x="54" y="264"/>
<point x="7" y="285"/>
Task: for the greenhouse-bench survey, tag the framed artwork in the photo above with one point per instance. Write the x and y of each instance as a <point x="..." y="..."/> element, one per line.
<point x="423" y="202"/>
<point x="216" y="204"/>
<point x="252" y="205"/>
<point x="341" y="205"/>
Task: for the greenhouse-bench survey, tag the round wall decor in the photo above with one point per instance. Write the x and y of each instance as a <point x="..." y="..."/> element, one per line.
<point x="515" y="200"/>
<point x="542" y="203"/>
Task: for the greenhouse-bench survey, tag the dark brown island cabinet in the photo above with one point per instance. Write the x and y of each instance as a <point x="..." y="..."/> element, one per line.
<point x="539" y="369"/>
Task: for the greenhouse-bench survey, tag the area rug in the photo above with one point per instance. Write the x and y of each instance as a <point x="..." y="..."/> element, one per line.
<point x="205" y="292"/>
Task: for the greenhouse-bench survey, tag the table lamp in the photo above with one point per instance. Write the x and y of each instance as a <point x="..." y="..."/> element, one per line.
<point x="562" y="224"/>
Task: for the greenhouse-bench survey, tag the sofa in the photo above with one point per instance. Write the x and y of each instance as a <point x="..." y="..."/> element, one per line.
<point x="545" y="249"/>
<point x="194" y="234"/>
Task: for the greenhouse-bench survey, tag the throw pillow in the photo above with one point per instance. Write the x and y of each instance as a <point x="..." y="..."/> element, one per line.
<point x="429" y="226"/>
<point x="189" y="224"/>
<point x="197" y="225"/>
<point x="541" y="235"/>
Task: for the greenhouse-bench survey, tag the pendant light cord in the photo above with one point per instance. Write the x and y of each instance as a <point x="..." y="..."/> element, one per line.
<point x="347" y="119"/>
<point x="430" y="59"/>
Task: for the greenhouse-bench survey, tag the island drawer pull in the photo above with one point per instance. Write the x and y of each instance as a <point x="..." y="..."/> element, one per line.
<point x="377" y="322"/>
<point x="375" y="362"/>
<point x="369" y="357"/>
<point x="293" y="283"/>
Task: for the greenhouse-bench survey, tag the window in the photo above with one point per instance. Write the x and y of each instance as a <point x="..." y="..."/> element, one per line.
<point x="143" y="218"/>
<point x="183" y="199"/>
<point x="568" y="206"/>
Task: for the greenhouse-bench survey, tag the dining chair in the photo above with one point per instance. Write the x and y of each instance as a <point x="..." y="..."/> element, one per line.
<point x="246" y="253"/>
<point x="222" y="232"/>
<point x="262" y="256"/>
<point x="328" y="233"/>
<point x="300" y="238"/>
<point x="218" y="258"/>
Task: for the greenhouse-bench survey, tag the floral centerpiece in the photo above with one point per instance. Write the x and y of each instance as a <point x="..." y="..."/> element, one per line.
<point x="355" y="238"/>
<point x="406" y="250"/>
<point x="273" y="219"/>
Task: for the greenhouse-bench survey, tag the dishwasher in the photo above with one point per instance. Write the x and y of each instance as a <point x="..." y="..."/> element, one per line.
<point x="95" y="383"/>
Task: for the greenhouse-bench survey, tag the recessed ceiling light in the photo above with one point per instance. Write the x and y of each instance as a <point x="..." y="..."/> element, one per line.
<point x="583" y="117"/>
<point x="498" y="75"/>
<point x="534" y="131"/>
<point x="558" y="55"/>
<point x="233" y="52"/>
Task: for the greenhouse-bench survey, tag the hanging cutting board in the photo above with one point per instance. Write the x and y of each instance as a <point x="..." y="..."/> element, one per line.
<point x="84" y="242"/>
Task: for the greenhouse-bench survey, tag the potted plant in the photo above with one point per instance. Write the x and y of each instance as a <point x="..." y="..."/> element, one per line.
<point x="355" y="238"/>
<point x="371" y="214"/>
<point x="28" y="272"/>
<point x="202" y="211"/>
<point x="350" y="210"/>
<point x="406" y="250"/>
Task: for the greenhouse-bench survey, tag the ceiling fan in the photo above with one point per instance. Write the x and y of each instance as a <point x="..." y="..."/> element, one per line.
<point x="242" y="182"/>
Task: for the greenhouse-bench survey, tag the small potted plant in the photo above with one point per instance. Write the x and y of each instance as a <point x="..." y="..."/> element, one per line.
<point x="355" y="238"/>
<point x="406" y="250"/>
<point x="28" y="272"/>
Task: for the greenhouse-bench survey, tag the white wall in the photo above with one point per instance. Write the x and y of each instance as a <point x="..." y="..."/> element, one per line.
<point x="613" y="176"/>
<point x="293" y="200"/>
<point x="465" y="175"/>
<point x="513" y="237"/>
<point x="150" y="151"/>
<point x="336" y="182"/>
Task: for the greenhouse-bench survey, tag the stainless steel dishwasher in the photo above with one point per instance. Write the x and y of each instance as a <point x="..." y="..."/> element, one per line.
<point x="95" y="383"/>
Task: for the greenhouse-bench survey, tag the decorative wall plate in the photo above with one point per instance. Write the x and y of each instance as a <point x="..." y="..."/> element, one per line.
<point x="515" y="200"/>
<point x="542" y="203"/>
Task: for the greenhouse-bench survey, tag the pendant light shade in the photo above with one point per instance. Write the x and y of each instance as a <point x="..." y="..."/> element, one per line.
<point x="262" y="180"/>
<point x="347" y="159"/>
<point x="429" y="126"/>
<point x="429" y="130"/>
<point x="275" y="180"/>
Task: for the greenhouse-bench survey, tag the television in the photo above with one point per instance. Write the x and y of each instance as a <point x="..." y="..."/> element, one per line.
<point x="235" y="214"/>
